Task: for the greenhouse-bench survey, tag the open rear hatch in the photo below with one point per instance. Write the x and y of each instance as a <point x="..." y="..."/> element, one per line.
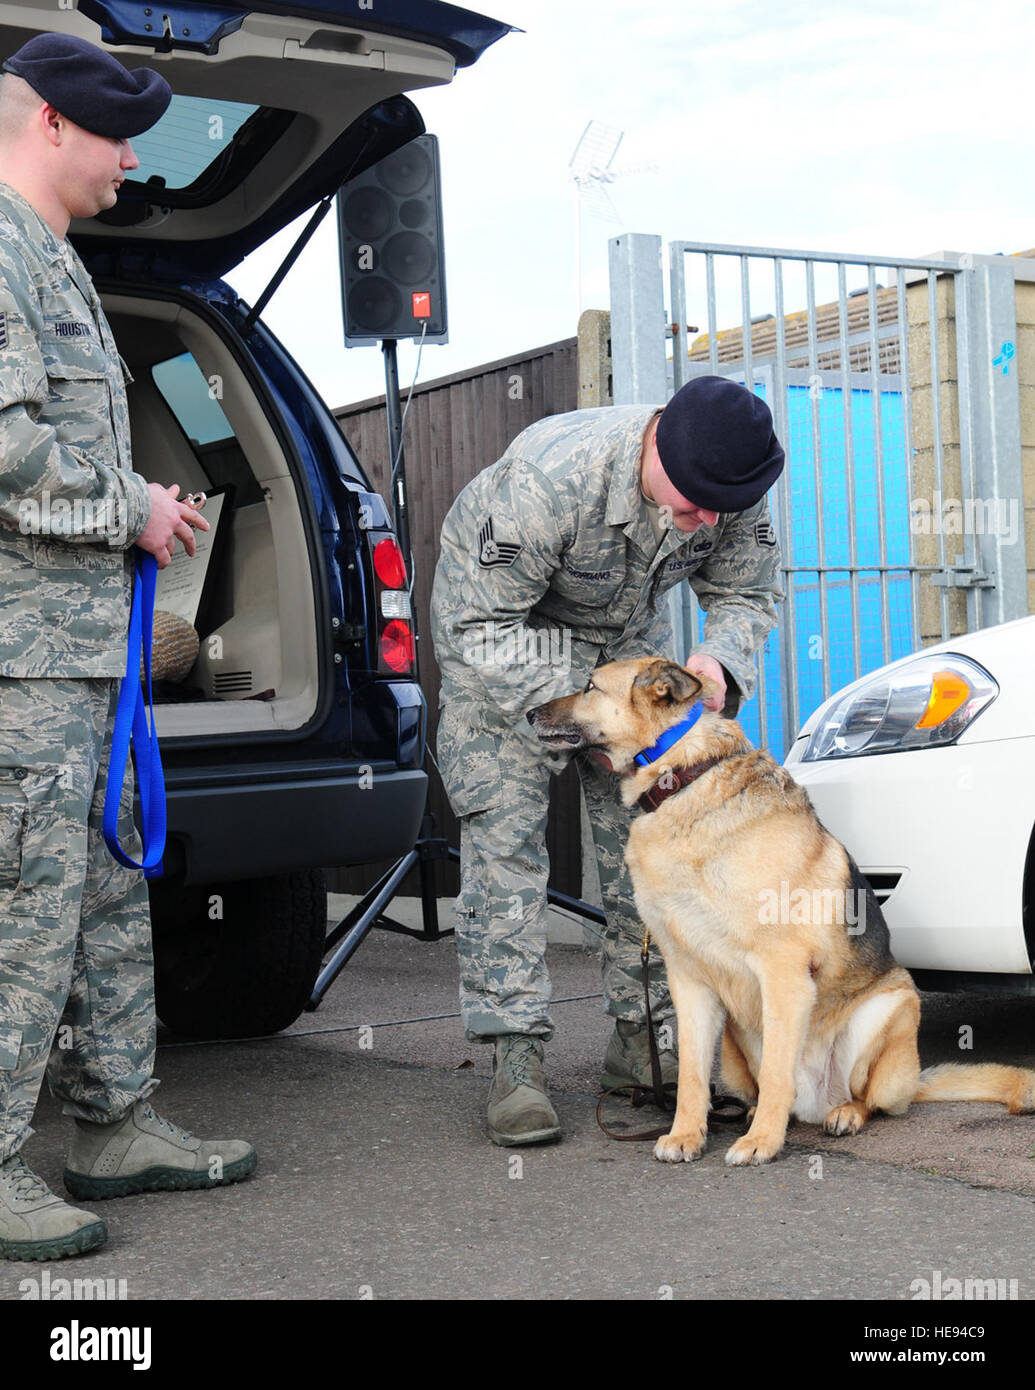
<point x="275" y="106"/>
<point x="267" y="114"/>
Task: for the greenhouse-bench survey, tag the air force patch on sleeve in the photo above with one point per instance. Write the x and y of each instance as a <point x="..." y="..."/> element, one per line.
<point x="3" y="332"/>
<point x="765" y="533"/>
<point x="492" y="552"/>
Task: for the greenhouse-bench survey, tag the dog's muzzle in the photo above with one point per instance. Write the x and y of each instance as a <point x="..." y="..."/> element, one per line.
<point x="563" y="736"/>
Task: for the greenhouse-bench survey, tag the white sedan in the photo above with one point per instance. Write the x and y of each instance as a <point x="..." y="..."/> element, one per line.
<point x="925" y="770"/>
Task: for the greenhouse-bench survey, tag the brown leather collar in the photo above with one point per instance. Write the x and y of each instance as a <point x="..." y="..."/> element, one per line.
<point x="674" y="780"/>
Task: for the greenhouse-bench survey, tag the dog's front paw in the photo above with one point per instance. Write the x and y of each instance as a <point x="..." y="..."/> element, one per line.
<point x="753" y="1148"/>
<point x="846" y="1119"/>
<point x="681" y="1148"/>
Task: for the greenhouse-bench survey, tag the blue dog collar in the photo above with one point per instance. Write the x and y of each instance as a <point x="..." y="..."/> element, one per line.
<point x="669" y="737"/>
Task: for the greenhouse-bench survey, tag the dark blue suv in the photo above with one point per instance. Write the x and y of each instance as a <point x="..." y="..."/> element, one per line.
<point x="295" y="741"/>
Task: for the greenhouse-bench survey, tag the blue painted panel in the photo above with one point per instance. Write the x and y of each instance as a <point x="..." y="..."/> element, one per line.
<point x="801" y="549"/>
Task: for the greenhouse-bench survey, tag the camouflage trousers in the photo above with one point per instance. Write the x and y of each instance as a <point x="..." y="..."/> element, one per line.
<point x="76" y="975"/>
<point x="497" y="776"/>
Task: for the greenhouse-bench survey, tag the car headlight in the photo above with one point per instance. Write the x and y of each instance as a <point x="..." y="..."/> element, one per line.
<point x="923" y="704"/>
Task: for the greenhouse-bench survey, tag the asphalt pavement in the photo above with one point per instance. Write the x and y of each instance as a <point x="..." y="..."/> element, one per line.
<point x="376" y="1179"/>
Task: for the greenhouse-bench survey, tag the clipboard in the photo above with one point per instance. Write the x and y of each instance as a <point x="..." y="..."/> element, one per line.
<point x="188" y="585"/>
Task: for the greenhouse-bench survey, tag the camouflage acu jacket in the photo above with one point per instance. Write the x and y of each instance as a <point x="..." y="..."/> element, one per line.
<point x="70" y="508"/>
<point x="550" y="565"/>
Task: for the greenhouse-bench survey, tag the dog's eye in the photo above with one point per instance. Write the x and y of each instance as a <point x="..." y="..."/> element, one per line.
<point x="589" y="686"/>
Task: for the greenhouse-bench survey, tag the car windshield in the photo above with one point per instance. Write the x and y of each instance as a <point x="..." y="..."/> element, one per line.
<point x="193" y="133"/>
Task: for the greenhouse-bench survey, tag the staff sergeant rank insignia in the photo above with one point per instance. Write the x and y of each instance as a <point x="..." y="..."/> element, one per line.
<point x="492" y="552"/>
<point x="765" y="533"/>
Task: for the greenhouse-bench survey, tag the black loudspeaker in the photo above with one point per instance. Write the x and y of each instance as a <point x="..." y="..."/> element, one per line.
<point x="393" y="274"/>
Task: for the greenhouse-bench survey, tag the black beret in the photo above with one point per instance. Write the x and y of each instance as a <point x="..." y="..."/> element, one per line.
<point x="716" y="444"/>
<point x="89" y="86"/>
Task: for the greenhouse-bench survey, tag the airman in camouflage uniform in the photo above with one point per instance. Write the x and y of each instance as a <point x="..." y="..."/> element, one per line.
<point x="75" y="944"/>
<point x="553" y="561"/>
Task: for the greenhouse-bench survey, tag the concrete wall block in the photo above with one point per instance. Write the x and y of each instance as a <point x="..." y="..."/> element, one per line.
<point x="594" y="359"/>
<point x="920" y="352"/>
<point x="923" y="416"/>
<point x="1024" y="300"/>
<point x="1024" y="362"/>
<point x="929" y="616"/>
<point x="1028" y="474"/>
<point x="1026" y="397"/>
<point x="925" y="476"/>
<point x="917" y="299"/>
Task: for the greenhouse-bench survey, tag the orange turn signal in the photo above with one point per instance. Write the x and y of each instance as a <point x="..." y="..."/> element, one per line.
<point x="949" y="691"/>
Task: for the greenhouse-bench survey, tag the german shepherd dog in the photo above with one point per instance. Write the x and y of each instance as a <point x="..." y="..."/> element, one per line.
<point x="761" y="915"/>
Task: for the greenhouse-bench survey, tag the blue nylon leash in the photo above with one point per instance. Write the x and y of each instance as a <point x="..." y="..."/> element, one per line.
<point x="131" y="717"/>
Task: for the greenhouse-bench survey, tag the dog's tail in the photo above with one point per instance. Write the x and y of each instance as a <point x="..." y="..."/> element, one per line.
<point x="1013" y="1087"/>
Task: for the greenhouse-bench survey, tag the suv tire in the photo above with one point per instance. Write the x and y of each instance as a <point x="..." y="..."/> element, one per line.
<point x="238" y="959"/>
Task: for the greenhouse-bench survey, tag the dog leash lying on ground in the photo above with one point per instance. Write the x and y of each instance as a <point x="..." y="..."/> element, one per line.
<point x="817" y="1019"/>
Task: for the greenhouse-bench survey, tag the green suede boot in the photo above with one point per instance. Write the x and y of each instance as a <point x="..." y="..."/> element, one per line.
<point x="627" y="1060"/>
<point x="144" y="1153"/>
<point x="519" y="1111"/>
<point x="37" y="1225"/>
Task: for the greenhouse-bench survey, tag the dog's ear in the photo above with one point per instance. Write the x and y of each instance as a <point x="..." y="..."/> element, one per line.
<point x="667" y="682"/>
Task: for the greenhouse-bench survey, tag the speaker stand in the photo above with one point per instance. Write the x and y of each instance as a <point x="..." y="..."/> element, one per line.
<point x="397" y="465"/>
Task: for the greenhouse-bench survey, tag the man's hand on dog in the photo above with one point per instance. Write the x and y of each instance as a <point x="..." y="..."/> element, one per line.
<point x="707" y="666"/>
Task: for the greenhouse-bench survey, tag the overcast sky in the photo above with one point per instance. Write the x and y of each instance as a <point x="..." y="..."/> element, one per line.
<point x="901" y="128"/>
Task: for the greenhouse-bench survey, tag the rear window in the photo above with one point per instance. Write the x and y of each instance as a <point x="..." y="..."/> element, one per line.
<point x="192" y="399"/>
<point x="193" y="134"/>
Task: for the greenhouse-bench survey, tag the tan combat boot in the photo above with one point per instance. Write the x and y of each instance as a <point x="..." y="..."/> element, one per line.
<point x="519" y="1111"/>
<point x="627" y="1060"/>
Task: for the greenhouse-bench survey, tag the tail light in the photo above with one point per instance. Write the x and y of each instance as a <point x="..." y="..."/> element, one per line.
<point x="389" y="565"/>
<point x="396" y="647"/>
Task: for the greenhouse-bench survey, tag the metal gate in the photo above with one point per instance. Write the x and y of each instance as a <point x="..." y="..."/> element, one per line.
<point x="893" y="387"/>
